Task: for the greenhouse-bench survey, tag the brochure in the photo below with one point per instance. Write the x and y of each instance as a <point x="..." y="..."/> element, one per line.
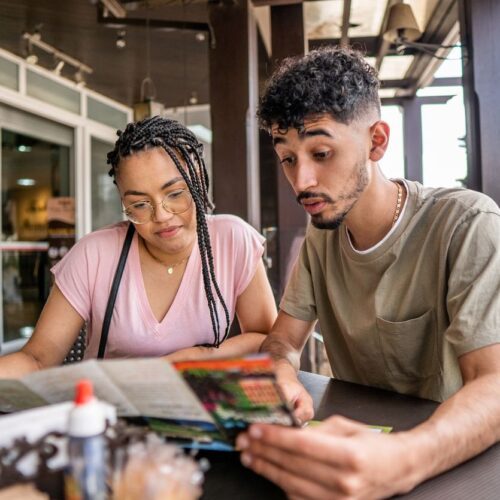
<point x="203" y="403"/>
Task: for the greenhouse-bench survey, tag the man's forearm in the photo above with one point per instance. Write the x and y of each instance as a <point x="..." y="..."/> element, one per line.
<point x="462" y="427"/>
<point x="281" y="351"/>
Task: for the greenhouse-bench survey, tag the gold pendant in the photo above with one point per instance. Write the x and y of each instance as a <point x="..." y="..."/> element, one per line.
<point x="170" y="270"/>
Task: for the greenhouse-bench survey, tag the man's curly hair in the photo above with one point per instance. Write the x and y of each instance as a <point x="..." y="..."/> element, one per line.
<point x="337" y="81"/>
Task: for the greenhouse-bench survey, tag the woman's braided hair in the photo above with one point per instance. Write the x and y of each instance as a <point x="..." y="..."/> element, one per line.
<point x="158" y="132"/>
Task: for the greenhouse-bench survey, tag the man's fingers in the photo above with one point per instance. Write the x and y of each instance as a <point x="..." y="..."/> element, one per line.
<point x="341" y="426"/>
<point x="294" y="485"/>
<point x="302" y="442"/>
<point x="304" y="410"/>
<point x="295" y="464"/>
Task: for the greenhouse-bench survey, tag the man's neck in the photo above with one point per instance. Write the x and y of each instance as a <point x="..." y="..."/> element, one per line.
<point x="373" y="215"/>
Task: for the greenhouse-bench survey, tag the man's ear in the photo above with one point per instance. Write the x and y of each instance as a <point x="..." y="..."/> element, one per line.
<point x="379" y="134"/>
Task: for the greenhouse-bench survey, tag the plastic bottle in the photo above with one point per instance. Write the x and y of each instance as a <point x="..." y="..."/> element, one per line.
<point x="86" y="475"/>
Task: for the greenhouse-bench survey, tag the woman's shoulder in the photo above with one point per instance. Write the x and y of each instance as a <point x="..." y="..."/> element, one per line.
<point x="229" y="223"/>
<point x="231" y="229"/>
<point x="107" y="237"/>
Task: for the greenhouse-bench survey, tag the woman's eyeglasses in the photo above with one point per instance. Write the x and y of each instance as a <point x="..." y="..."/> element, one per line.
<point x="176" y="202"/>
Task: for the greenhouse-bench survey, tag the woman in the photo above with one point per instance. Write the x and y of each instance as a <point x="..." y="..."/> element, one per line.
<point x="185" y="277"/>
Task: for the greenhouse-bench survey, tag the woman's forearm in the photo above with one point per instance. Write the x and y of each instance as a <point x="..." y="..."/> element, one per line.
<point x="239" y="345"/>
<point x="17" y="364"/>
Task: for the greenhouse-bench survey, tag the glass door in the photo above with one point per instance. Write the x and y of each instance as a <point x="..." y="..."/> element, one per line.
<point x="106" y="204"/>
<point x="34" y="169"/>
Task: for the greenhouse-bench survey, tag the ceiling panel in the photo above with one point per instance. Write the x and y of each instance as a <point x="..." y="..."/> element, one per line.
<point x="395" y="67"/>
<point x="324" y="19"/>
<point x="387" y="93"/>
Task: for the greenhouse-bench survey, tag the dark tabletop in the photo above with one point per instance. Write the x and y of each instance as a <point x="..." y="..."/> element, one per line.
<point x="478" y="478"/>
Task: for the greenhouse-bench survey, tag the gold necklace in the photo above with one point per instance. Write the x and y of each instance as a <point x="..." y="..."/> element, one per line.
<point x="170" y="268"/>
<point x="398" y="203"/>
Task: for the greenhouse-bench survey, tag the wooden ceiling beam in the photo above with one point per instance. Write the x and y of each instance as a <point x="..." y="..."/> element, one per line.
<point x="346" y="16"/>
<point x="163" y="24"/>
<point x="274" y="3"/>
<point x="368" y="45"/>
<point x="384" y="45"/>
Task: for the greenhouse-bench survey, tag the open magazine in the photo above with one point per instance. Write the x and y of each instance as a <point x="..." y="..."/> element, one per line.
<point x="201" y="403"/>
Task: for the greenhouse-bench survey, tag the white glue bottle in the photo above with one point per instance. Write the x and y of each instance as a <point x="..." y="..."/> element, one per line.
<point x="86" y="475"/>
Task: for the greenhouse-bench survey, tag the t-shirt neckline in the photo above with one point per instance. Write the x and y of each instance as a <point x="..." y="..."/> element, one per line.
<point x="391" y="237"/>
<point x="147" y="312"/>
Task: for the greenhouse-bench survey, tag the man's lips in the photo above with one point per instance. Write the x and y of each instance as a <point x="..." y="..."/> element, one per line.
<point x="313" y="207"/>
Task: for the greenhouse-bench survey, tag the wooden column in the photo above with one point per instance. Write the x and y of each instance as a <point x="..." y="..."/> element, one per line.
<point x="412" y="126"/>
<point x="287" y="39"/>
<point x="479" y="20"/>
<point x="233" y="100"/>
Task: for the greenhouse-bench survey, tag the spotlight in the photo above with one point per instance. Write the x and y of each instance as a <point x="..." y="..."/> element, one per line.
<point x="59" y="57"/>
<point x="121" y="43"/>
<point x="80" y="78"/>
<point x="200" y="37"/>
<point x="193" y="99"/>
<point x="58" y="67"/>
<point x="31" y="57"/>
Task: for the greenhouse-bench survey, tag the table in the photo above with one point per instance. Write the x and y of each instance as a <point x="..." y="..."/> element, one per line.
<point x="478" y="478"/>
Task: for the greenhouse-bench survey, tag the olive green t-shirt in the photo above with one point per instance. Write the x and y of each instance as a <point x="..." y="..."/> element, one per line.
<point x="399" y="315"/>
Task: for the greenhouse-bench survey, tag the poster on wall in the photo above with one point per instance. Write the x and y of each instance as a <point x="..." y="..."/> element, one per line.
<point x="60" y="227"/>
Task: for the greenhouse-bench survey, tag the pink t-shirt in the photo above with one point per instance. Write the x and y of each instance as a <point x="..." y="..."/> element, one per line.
<point x="85" y="275"/>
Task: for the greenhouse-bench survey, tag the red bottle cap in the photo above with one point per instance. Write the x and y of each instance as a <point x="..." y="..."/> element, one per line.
<point x="84" y="392"/>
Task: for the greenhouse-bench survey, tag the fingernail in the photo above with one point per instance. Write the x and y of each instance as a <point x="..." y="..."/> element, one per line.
<point x="255" y="432"/>
<point x="246" y="459"/>
<point x="242" y="442"/>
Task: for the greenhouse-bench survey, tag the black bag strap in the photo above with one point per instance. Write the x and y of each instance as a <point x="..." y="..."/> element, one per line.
<point x="114" y="291"/>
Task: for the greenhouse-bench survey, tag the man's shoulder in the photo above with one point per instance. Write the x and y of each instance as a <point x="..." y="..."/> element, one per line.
<point x="463" y="201"/>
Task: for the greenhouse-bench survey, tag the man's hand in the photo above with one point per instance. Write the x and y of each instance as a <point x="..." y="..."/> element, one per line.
<point x="338" y="459"/>
<point x="294" y="393"/>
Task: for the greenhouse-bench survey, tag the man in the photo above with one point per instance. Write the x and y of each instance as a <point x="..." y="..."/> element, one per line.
<point x="403" y="279"/>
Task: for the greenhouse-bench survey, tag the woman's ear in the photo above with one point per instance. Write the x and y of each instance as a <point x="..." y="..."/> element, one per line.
<point x="379" y="134"/>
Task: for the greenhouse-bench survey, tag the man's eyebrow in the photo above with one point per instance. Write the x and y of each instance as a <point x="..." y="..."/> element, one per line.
<point x="303" y="134"/>
<point x="165" y="186"/>
<point x="279" y="140"/>
<point x="316" y="131"/>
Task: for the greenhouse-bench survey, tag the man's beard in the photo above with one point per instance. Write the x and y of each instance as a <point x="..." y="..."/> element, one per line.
<point x="333" y="223"/>
<point x="319" y="221"/>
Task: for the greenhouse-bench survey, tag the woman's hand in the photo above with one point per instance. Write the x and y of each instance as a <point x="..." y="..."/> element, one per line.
<point x="190" y="354"/>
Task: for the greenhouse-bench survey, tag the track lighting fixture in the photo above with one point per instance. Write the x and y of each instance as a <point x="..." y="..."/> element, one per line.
<point x="35" y="40"/>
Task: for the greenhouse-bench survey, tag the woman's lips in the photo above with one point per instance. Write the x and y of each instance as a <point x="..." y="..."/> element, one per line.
<point x="168" y="232"/>
<point x="314" y="208"/>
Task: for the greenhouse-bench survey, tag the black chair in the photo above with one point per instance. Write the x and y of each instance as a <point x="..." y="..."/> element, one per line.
<point x="77" y="350"/>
